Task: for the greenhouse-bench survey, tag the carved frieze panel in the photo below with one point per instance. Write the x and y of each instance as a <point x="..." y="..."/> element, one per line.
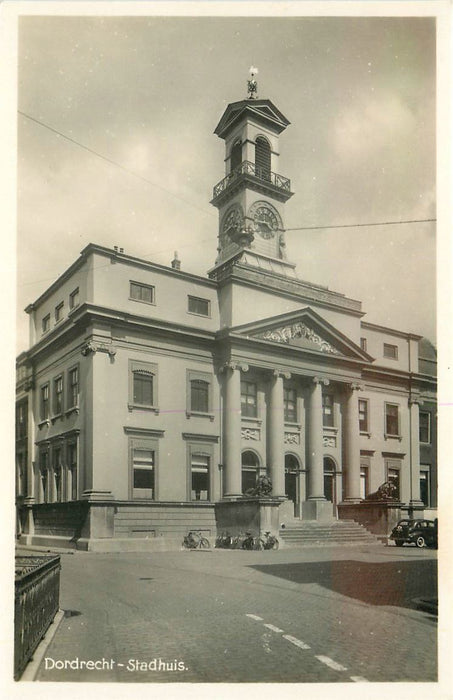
<point x="329" y="441"/>
<point x="298" y="330"/>
<point x="250" y="433"/>
<point x="292" y="439"/>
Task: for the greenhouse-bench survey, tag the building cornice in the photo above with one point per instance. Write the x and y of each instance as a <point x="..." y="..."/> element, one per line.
<point x="116" y="256"/>
<point x="391" y="331"/>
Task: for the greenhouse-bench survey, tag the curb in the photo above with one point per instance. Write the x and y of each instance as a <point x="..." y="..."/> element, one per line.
<point x="429" y="605"/>
<point x="32" y="668"/>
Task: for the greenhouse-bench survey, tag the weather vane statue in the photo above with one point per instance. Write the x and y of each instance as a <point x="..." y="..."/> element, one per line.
<point x="252" y="85"/>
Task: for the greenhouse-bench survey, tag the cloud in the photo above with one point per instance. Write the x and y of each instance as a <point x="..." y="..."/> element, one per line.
<point x="370" y="124"/>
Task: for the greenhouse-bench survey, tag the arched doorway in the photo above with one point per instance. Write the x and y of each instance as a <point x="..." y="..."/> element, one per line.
<point x="250" y="470"/>
<point x="329" y="479"/>
<point x="292" y="467"/>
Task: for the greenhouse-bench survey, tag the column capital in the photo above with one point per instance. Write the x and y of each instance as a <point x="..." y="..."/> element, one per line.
<point x="415" y="400"/>
<point x="320" y="380"/>
<point x="234" y="365"/>
<point x="281" y="373"/>
<point x="355" y="386"/>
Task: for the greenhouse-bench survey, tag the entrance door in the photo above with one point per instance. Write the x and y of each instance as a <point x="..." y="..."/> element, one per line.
<point x="291" y="473"/>
<point x="329" y="480"/>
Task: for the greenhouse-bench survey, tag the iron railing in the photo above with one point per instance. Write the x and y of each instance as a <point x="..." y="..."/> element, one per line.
<point x="249" y="168"/>
<point x="36" y="602"/>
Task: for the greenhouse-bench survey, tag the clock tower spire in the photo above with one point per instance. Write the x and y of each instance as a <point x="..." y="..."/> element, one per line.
<point x="251" y="196"/>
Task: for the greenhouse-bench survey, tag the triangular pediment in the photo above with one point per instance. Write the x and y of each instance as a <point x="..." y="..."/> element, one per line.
<point x="306" y="330"/>
<point x="263" y="110"/>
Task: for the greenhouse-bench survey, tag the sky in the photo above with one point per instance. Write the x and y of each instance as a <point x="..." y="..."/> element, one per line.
<point x="148" y="92"/>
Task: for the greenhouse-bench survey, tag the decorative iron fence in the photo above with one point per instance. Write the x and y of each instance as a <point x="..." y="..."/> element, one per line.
<point x="249" y="168"/>
<point x="36" y="602"/>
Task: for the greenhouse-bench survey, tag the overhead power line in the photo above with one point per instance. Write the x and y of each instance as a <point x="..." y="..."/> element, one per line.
<point x="374" y="223"/>
<point x="113" y="162"/>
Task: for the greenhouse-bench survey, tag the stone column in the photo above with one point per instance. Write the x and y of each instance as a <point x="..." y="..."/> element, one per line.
<point x="232" y="430"/>
<point x="351" y="435"/>
<point x="414" y="455"/>
<point x="276" y="432"/>
<point x="315" y="442"/>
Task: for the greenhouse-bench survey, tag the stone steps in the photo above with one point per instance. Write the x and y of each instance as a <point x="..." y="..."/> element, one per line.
<point x="311" y="533"/>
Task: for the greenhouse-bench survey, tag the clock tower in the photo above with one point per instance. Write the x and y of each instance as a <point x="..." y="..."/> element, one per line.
<point x="251" y="196"/>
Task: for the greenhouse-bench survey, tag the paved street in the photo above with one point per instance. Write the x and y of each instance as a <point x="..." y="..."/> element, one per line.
<point x="344" y="614"/>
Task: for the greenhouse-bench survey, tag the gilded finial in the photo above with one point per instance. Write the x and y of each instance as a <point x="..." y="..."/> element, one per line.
<point x="252" y="85"/>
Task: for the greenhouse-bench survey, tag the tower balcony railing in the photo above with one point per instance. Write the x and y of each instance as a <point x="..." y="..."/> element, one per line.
<point x="256" y="171"/>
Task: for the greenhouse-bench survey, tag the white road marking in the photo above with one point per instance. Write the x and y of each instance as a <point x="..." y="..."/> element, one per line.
<point x="359" y="679"/>
<point x="332" y="664"/>
<point x="254" y="617"/>
<point x="273" y="628"/>
<point x="295" y="641"/>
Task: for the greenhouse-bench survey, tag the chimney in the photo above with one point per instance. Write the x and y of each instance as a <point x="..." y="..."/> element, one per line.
<point x="121" y="250"/>
<point x="115" y="248"/>
<point x="176" y="263"/>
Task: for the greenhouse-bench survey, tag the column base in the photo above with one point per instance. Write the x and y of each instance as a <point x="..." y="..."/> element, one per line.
<point x="318" y="509"/>
<point x="231" y="496"/>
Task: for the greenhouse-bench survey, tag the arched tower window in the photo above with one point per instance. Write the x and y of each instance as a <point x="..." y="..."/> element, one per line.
<point x="236" y="155"/>
<point x="263" y="158"/>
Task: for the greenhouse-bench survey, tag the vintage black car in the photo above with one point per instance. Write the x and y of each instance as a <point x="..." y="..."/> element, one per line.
<point x="422" y="533"/>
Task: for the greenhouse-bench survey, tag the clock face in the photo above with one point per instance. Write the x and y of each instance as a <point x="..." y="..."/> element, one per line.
<point x="233" y="224"/>
<point x="265" y="220"/>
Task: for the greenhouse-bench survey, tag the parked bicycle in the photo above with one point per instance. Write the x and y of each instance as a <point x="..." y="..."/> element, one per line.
<point x="268" y="541"/>
<point x="224" y="541"/>
<point x="250" y="542"/>
<point x="195" y="540"/>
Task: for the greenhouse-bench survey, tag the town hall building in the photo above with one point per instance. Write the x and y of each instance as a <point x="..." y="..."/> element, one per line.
<point x="150" y="395"/>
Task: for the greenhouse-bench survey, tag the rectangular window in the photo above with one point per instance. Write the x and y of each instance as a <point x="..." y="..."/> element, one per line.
<point x="57" y="474"/>
<point x="143" y="472"/>
<point x="425" y="427"/>
<point x="58" y="396"/>
<point x="391" y="419"/>
<point x="44" y="477"/>
<point x="72" y="471"/>
<point x="21" y="420"/>
<point x="143" y="388"/>
<point x="201" y="307"/>
<point x="249" y="399"/>
<point x="363" y="415"/>
<point x="59" y="312"/>
<point x="199" y="475"/>
<point x="425" y="484"/>
<point x="44" y="409"/>
<point x="391" y="351"/>
<point x="46" y="323"/>
<point x="142" y="292"/>
<point x="73" y="389"/>
<point x="290" y="405"/>
<point x="363" y="344"/>
<point x="199" y="395"/>
<point x="327" y="410"/>
<point x="142" y="385"/>
<point x="74" y="299"/>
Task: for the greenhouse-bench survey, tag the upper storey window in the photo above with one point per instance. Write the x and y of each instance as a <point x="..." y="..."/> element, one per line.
<point x="263" y="158"/>
<point x="391" y="351"/>
<point x="236" y="155"/>
<point x="142" y="292"/>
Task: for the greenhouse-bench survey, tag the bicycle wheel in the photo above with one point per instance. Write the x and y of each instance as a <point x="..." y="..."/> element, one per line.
<point x="204" y="543"/>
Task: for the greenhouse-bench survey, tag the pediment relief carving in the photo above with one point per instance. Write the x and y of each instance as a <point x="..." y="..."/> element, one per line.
<point x="298" y="333"/>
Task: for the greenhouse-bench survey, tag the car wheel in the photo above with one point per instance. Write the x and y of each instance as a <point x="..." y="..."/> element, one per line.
<point x="399" y="543"/>
<point x="420" y="541"/>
